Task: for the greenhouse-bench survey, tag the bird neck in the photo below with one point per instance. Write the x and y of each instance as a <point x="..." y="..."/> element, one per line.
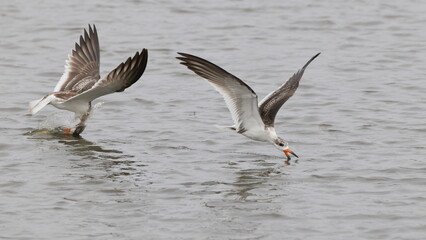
<point x="272" y="134"/>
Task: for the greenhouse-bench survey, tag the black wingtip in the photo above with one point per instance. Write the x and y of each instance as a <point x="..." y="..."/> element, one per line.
<point x="92" y="29"/>
<point x="144" y="52"/>
<point x="316" y="55"/>
<point x="143" y="55"/>
<point x="310" y="60"/>
<point x="183" y="57"/>
<point x="144" y="59"/>
<point x="186" y="55"/>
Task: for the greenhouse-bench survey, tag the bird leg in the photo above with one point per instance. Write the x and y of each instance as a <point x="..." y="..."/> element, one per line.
<point x="79" y="128"/>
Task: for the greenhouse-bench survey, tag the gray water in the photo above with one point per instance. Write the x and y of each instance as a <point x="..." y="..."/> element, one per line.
<point x="150" y="164"/>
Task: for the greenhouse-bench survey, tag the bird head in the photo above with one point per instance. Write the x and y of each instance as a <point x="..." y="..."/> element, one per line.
<point x="283" y="146"/>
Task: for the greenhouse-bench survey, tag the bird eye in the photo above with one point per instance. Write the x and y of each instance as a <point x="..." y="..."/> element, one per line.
<point x="281" y="145"/>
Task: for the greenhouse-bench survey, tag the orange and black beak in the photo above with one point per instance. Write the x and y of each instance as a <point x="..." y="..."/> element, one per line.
<point x="287" y="153"/>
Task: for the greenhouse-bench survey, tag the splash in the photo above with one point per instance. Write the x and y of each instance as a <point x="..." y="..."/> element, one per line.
<point x="97" y="105"/>
<point x="63" y="119"/>
<point x="58" y="120"/>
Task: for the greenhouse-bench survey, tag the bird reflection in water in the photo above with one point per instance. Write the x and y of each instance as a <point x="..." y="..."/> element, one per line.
<point x="250" y="179"/>
<point x="115" y="162"/>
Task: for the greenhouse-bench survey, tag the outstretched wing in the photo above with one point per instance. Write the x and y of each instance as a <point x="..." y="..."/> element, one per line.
<point x="239" y="97"/>
<point x="270" y="105"/>
<point x="82" y="67"/>
<point x="117" y="80"/>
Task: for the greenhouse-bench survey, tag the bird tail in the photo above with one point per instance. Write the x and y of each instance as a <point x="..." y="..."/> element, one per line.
<point x="226" y="127"/>
<point x="37" y="105"/>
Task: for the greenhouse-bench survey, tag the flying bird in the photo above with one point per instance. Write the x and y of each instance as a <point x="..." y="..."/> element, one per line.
<point x="81" y="83"/>
<point x="252" y="119"/>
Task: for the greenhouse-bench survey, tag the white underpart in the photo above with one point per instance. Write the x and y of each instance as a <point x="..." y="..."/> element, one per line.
<point x="242" y="103"/>
<point x="261" y="134"/>
<point x="78" y="107"/>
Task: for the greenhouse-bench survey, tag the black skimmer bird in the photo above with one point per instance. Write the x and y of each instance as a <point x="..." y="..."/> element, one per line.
<point x="252" y="119"/>
<point x="81" y="83"/>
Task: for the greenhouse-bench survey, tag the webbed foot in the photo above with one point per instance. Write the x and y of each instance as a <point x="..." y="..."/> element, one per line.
<point x="67" y="131"/>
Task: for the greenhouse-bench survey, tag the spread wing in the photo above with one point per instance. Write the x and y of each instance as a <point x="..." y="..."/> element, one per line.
<point x="272" y="103"/>
<point x="117" y="80"/>
<point x="82" y="67"/>
<point x="239" y="97"/>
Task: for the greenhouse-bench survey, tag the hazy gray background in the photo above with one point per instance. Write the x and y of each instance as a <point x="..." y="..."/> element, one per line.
<point x="151" y="165"/>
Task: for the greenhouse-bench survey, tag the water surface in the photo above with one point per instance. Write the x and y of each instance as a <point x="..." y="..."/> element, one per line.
<point x="150" y="164"/>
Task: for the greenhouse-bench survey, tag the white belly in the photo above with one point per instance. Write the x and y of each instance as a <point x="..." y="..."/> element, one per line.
<point x="260" y="134"/>
<point x="76" y="107"/>
<point x="257" y="134"/>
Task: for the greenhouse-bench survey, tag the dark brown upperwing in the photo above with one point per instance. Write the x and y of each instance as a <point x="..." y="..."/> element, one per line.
<point x="122" y="77"/>
<point x="272" y="103"/>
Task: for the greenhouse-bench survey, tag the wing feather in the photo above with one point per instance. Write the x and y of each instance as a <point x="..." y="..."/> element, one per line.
<point x="122" y="77"/>
<point x="272" y="103"/>
<point x="240" y="99"/>
<point x="82" y="66"/>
